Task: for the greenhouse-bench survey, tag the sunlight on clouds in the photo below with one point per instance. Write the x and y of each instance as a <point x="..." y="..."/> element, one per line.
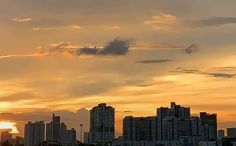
<point x="183" y="78"/>
<point x="5" y="125"/>
<point x="162" y="21"/>
<point x="4" y="105"/>
<point x="21" y="20"/>
<point x="75" y="26"/>
<point x="54" y="28"/>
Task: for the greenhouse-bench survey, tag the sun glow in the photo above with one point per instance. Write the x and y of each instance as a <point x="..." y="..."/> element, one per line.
<point x="6" y="125"/>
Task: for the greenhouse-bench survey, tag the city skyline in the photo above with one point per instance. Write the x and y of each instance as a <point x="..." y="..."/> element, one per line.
<point x="17" y="130"/>
<point x="172" y="125"/>
<point x="118" y="125"/>
<point x="65" y="56"/>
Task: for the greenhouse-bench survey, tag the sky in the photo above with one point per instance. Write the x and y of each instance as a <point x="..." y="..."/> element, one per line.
<point x="67" y="56"/>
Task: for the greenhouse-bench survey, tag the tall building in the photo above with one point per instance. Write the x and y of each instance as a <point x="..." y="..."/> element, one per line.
<point x="166" y="114"/>
<point x="209" y="126"/>
<point x="231" y="132"/>
<point x="162" y="113"/>
<point x="86" y="137"/>
<point x="195" y="126"/>
<point x="53" y="130"/>
<point x="178" y="111"/>
<point x="34" y="133"/>
<point x="6" y="136"/>
<point x="63" y="134"/>
<point x="221" y="134"/>
<point x="102" y="121"/>
<point x="139" y="128"/>
<point x="57" y="132"/>
<point x="71" y="136"/>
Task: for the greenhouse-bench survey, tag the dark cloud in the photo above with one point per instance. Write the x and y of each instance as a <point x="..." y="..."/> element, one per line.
<point x="116" y="47"/>
<point x="212" y="74"/>
<point x="153" y="61"/>
<point x="128" y="111"/>
<point x="222" y="75"/>
<point x="214" y="21"/>
<point x="87" y="51"/>
<point x="191" y="49"/>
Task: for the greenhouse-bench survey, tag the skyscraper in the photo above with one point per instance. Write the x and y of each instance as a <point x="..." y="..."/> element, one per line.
<point x="195" y="126"/>
<point x="71" y="136"/>
<point x="162" y="113"/>
<point x="63" y="134"/>
<point x="221" y="134"/>
<point x="168" y="115"/>
<point x="57" y="132"/>
<point x="34" y="133"/>
<point x="178" y="111"/>
<point x="53" y="130"/>
<point x="139" y="128"/>
<point x="209" y="126"/>
<point x="102" y="121"/>
<point x="231" y="132"/>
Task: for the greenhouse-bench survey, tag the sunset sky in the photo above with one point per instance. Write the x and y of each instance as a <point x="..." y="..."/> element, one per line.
<point x="136" y="55"/>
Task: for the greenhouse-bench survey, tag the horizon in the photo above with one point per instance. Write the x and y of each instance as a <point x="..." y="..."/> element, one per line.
<point x="135" y="55"/>
<point x="12" y="127"/>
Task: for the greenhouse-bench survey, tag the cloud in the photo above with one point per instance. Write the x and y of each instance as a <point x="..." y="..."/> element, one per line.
<point x="225" y="69"/>
<point x="116" y="47"/>
<point x="128" y="111"/>
<point x="21" y="20"/>
<point x="214" y="21"/>
<point x="53" y="28"/>
<point x="87" y="51"/>
<point x="156" y="45"/>
<point x="222" y="75"/>
<point x="9" y="126"/>
<point x="191" y="49"/>
<point x="153" y="61"/>
<point x="208" y="73"/>
<point x="18" y="96"/>
<point x="170" y="23"/>
<point x="21" y="55"/>
<point x="162" y="21"/>
<point x="75" y="26"/>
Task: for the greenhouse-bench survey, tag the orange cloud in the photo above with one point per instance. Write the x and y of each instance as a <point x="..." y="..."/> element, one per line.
<point x="66" y="27"/>
<point x="21" y="20"/>
<point x="162" y="21"/>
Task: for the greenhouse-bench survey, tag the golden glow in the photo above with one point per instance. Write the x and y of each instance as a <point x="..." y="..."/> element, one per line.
<point x="162" y="22"/>
<point x="4" y="105"/>
<point x="5" y="125"/>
